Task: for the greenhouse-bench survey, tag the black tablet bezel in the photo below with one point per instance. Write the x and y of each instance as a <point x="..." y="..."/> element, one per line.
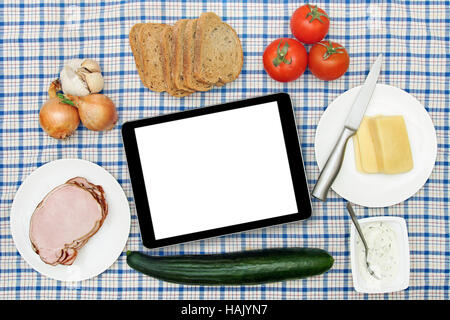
<point x="295" y="159"/>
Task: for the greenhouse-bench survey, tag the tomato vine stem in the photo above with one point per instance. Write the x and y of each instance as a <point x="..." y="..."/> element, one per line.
<point x="315" y="14"/>
<point x="281" y="54"/>
<point x="330" y="49"/>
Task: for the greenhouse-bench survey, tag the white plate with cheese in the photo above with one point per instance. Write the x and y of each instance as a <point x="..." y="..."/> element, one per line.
<point x="379" y="189"/>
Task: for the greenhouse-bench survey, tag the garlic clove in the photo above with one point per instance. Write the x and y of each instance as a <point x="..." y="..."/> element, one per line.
<point x="82" y="72"/>
<point x="94" y="81"/>
<point x="71" y="83"/>
<point x="91" y="65"/>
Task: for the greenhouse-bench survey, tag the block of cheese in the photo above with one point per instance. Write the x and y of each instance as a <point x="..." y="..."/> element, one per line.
<point x="357" y="153"/>
<point x="366" y="155"/>
<point x="391" y="142"/>
<point x="382" y="145"/>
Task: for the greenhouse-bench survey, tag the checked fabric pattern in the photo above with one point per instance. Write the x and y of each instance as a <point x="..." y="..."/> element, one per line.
<point x="36" y="38"/>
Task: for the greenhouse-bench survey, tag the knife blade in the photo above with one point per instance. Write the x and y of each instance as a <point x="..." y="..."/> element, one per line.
<point x="351" y="125"/>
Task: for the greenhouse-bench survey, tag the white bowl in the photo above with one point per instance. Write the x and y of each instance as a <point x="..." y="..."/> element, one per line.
<point x="401" y="281"/>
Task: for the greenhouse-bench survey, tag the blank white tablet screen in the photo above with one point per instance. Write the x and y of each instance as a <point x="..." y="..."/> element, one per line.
<point x="216" y="170"/>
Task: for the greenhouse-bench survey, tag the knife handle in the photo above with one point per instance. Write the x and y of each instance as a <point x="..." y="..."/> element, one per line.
<point x="332" y="166"/>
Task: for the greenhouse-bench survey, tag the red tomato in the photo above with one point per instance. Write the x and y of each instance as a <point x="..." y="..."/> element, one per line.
<point x="309" y="24"/>
<point x="328" y="60"/>
<point x="285" y="59"/>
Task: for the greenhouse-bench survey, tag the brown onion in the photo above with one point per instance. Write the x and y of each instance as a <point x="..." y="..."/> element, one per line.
<point x="97" y="111"/>
<point x="58" y="119"/>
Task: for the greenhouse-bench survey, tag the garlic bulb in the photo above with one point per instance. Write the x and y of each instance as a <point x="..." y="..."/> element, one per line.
<point x="81" y="77"/>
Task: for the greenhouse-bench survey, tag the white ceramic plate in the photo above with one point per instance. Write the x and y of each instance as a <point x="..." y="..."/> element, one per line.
<point x="401" y="282"/>
<point x="103" y="249"/>
<point x="378" y="190"/>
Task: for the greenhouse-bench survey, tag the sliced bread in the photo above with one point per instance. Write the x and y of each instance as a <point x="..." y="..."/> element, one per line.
<point x="168" y="53"/>
<point x="153" y="61"/>
<point x="177" y="59"/>
<point x="189" y="59"/>
<point x="217" y="50"/>
<point x="135" y="48"/>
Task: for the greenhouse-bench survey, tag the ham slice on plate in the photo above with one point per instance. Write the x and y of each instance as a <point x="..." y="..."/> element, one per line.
<point x="66" y="219"/>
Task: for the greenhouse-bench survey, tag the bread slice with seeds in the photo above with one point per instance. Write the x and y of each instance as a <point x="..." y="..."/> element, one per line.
<point x="217" y="50"/>
<point x="152" y="59"/>
<point x="189" y="59"/>
<point x="168" y="54"/>
<point x="177" y="59"/>
<point x="135" y="48"/>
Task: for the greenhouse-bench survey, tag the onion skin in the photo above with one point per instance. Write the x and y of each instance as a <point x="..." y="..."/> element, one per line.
<point x="59" y="120"/>
<point x="97" y="111"/>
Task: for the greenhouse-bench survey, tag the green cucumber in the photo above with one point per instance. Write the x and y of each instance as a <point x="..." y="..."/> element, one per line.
<point x="236" y="268"/>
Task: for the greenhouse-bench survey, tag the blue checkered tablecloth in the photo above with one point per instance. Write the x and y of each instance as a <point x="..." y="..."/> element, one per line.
<point x="38" y="37"/>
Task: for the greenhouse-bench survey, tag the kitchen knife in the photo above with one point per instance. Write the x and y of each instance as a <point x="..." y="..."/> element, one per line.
<point x="354" y="118"/>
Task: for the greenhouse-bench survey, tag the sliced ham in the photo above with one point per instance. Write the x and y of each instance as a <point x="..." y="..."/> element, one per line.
<point x="66" y="219"/>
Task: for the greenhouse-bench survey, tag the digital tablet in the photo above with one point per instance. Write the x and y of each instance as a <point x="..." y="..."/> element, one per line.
<point x="216" y="170"/>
